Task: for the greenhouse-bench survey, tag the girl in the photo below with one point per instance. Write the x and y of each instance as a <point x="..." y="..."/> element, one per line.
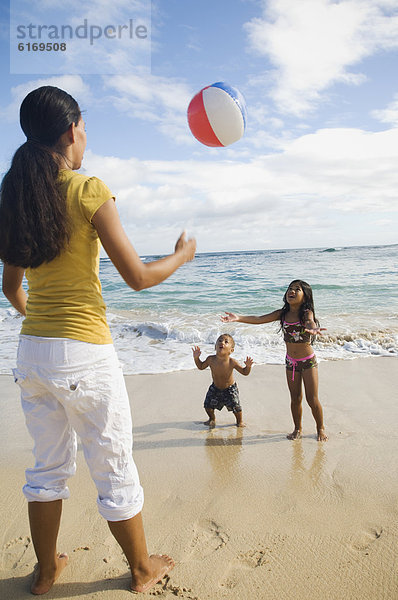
<point x="299" y="325"/>
<point x="51" y="223"/>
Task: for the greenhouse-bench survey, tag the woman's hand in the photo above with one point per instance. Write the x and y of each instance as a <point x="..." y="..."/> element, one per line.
<point x="188" y="247"/>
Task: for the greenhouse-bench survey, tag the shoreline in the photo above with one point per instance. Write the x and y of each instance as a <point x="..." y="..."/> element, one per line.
<point x="338" y="359"/>
<point x="240" y="356"/>
<point x="161" y="343"/>
<point x="244" y="512"/>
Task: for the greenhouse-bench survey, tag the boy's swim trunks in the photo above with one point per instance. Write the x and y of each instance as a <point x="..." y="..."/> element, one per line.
<point x="217" y="399"/>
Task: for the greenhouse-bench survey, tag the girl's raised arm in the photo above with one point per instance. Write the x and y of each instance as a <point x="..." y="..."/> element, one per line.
<point x="136" y="274"/>
<point x="252" y="320"/>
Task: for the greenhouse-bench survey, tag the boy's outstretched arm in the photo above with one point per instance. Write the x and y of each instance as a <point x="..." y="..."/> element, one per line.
<point x="201" y="364"/>
<point x="247" y="368"/>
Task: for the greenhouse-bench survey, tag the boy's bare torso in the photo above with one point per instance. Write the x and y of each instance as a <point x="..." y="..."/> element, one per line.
<point x="222" y="371"/>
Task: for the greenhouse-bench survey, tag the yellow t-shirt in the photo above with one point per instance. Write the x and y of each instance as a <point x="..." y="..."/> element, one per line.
<point x="64" y="297"/>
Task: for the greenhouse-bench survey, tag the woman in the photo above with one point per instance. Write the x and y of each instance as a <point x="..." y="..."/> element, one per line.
<point x="52" y="221"/>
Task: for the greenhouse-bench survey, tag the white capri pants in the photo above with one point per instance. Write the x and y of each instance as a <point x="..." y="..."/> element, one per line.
<point x="68" y="387"/>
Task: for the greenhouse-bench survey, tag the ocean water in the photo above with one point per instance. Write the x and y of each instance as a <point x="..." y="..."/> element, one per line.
<point x="355" y="292"/>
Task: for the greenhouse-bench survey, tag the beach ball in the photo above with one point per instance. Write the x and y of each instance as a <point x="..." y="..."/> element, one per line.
<point x="217" y="115"/>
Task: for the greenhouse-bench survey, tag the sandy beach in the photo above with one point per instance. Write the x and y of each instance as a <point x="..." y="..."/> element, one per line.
<point x="245" y="513"/>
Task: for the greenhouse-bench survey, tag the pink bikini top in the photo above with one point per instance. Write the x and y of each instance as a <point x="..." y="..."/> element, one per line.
<point x="294" y="333"/>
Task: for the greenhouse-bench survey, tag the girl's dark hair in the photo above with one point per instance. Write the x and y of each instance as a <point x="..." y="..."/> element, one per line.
<point x="308" y="303"/>
<point x="34" y="226"/>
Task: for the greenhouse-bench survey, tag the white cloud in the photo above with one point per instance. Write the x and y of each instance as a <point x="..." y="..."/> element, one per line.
<point x="73" y="84"/>
<point x="160" y="100"/>
<point x="311" y="193"/>
<point x="160" y="90"/>
<point x="314" y="44"/>
<point x="389" y="114"/>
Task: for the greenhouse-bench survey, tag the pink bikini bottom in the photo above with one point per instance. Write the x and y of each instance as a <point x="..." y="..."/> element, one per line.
<point x="300" y="364"/>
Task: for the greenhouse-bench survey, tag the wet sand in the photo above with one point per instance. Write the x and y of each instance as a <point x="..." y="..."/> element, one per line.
<point x="245" y="513"/>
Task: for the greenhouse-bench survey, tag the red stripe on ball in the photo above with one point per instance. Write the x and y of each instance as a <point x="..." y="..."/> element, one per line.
<point x="199" y="123"/>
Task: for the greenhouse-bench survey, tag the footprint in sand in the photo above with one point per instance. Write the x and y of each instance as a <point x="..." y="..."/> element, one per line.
<point x="365" y="539"/>
<point x="14" y="552"/>
<point x="248" y="561"/>
<point x="207" y="538"/>
<point x="244" y="562"/>
<point x="176" y="590"/>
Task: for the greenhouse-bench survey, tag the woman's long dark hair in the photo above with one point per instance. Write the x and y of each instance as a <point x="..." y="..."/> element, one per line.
<point x="308" y="303"/>
<point x="34" y="226"/>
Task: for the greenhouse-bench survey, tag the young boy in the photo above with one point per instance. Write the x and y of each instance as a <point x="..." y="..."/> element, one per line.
<point x="223" y="391"/>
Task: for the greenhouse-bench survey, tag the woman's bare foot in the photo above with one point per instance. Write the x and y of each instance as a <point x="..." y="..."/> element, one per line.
<point x="210" y="422"/>
<point x="43" y="582"/>
<point x="322" y="437"/>
<point x="295" y="435"/>
<point x="160" y="565"/>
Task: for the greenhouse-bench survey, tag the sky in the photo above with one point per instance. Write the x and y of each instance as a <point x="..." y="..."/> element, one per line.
<point x="317" y="164"/>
